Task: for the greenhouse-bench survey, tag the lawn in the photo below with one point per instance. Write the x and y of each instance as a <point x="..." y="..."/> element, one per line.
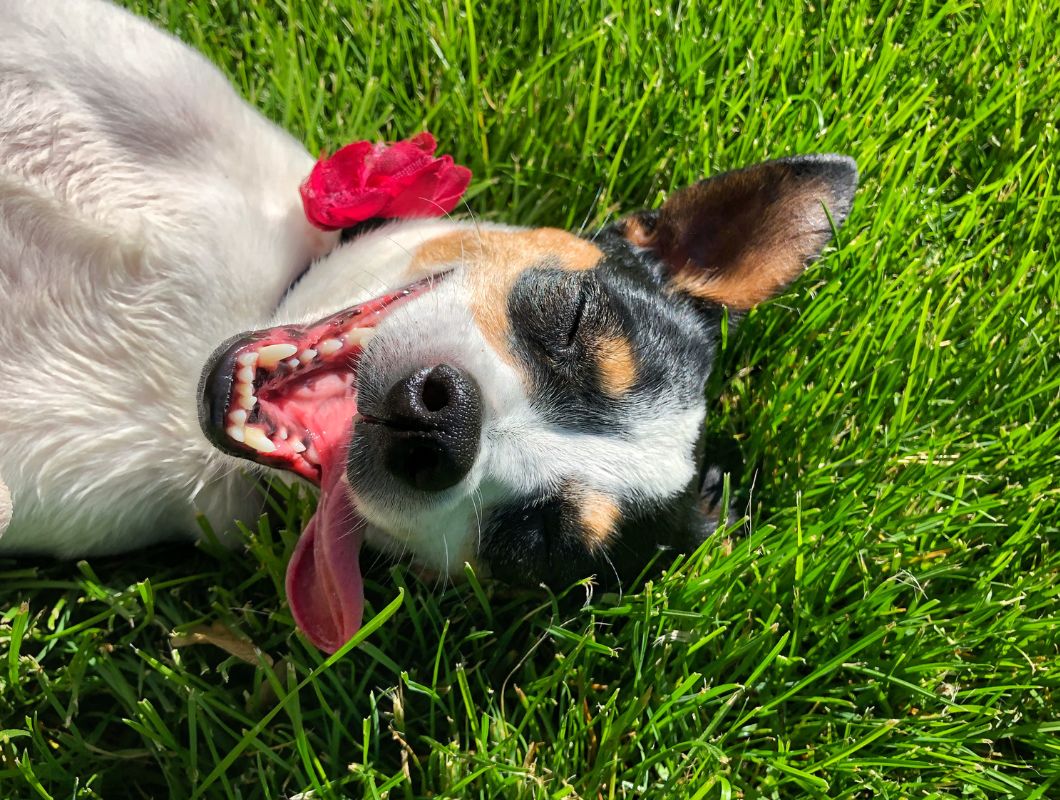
<point x="887" y="624"/>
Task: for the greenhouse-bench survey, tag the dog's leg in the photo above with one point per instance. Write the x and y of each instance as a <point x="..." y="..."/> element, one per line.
<point x="5" y="506"/>
<point x="725" y="458"/>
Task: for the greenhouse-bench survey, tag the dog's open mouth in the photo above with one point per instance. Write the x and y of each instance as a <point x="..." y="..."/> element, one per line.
<point x="286" y="397"/>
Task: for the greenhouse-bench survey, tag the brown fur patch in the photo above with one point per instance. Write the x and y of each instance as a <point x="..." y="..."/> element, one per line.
<point x="494" y="260"/>
<point x="743" y="288"/>
<point x="768" y="249"/>
<point x="615" y="365"/>
<point x="639" y="233"/>
<point x="598" y="516"/>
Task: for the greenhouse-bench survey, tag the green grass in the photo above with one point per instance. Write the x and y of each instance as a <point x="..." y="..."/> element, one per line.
<point x="889" y="627"/>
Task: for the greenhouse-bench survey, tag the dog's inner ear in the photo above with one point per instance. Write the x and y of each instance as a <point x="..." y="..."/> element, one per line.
<point x="739" y="238"/>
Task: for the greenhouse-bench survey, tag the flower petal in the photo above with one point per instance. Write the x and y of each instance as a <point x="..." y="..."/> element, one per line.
<point x="365" y="180"/>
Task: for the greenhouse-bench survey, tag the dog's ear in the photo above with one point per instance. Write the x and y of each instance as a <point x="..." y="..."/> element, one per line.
<point x="739" y="238"/>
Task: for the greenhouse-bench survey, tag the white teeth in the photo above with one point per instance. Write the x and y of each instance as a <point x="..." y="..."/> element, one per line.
<point x="307" y="355"/>
<point x="359" y="336"/>
<point x="244" y="389"/>
<point x="248" y="402"/>
<point x="236" y="432"/>
<point x="238" y="417"/>
<point x="311" y="454"/>
<point x="283" y="434"/>
<point x="245" y="375"/>
<point x="292" y="363"/>
<point x="256" y="438"/>
<point x="247" y="359"/>
<point x="329" y="346"/>
<point x="297" y="446"/>
<point x="272" y="354"/>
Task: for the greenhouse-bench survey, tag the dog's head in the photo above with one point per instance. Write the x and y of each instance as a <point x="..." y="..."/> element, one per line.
<point x="530" y="401"/>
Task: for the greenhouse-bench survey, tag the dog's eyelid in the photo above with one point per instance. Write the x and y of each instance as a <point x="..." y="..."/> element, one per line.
<point x="579" y="313"/>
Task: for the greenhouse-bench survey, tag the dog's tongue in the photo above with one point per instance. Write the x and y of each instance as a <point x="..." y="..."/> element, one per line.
<point x="324" y="586"/>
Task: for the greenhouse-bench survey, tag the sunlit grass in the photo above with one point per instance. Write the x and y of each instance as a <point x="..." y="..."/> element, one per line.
<point x="887" y="627"/>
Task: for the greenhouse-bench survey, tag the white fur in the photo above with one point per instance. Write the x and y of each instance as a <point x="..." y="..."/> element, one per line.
<point x="146" y="214"/>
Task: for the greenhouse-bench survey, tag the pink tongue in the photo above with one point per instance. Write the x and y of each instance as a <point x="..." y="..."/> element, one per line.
<point x="324" y="586"/>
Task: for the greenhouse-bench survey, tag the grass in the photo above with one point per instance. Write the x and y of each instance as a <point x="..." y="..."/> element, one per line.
<point x="889" y="626"/>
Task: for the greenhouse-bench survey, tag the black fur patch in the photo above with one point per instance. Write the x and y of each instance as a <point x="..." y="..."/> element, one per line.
<point x="558" y="315"/>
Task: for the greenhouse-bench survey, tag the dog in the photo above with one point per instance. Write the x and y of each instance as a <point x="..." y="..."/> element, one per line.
<point x="527" y="400"/>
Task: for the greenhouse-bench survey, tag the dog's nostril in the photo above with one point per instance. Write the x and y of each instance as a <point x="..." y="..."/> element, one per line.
<point x="435" y="393"/>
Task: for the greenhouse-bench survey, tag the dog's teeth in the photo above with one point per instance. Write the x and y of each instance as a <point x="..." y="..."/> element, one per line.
<point x="297" y="446"/>
<point x="311" y="454"/>
<point x="283" y="434"/>
<point x="307" y="355"/>
<point x="329" y="346"/>
<point x="247" y="401"/>
<point x="247" y="359"/>
<point x="256" y="438"/>
<point x="245" y="375"/>
<point x="244" y="389"/>
<point x="359" y="336"/>
<point x="236" y="433"/>
<point x="238" y="417"/>
<point x="292" y="363"/>
<point x="272" y="354"/>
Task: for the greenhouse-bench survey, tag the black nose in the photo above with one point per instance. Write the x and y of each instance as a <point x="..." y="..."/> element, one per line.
<point x="431" y="420"/>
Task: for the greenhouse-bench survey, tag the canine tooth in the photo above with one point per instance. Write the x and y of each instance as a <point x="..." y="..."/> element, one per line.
<point x="307" y="355"/>
<point x="272" y="354"/>
<point x="245" y="375"/>
<point x="248" y="402"/>
<point x="247" y="359"/>
<point x="297" y="446"/>
<point x="293" y="363"/>
<point x="329" y="346"/>
<point x="236" y="433"/>
<point x="359" y="336"/>
<point x="256" y="438"/>
<point x="238" y="417"/>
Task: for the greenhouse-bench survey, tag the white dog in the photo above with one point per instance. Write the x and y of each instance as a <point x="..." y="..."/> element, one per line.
<point x="524" y="399"/>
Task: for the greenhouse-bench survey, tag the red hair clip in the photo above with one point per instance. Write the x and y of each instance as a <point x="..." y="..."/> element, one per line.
<point x="366" y="180"/>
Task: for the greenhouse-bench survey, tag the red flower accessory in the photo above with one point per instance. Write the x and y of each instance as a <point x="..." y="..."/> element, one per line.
<point x="365" y="181"/>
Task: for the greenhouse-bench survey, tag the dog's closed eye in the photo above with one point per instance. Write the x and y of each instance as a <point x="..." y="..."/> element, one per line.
<point x="579" y="314"/>
<point x="554" y="318"/>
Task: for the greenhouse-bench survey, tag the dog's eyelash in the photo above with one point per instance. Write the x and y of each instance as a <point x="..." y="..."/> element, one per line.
<point x="579" y="313"/>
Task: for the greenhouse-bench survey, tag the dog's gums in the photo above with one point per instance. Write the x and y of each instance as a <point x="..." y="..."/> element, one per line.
<point x="286" y="397"/>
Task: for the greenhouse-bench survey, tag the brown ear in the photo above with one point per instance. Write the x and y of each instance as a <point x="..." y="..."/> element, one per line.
<point x="739" y="238"/>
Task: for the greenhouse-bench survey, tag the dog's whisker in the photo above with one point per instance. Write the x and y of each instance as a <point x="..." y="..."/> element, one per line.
<point x="589" y="211"/>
